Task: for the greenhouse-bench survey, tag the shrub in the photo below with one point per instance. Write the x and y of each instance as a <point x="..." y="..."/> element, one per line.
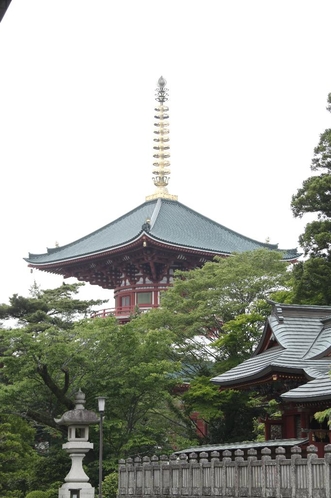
<point x="110" y="485"/>
<point x="37" y="494"/>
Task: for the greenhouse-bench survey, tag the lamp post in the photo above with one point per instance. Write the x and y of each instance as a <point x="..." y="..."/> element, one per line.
<point x="101" y="409"/>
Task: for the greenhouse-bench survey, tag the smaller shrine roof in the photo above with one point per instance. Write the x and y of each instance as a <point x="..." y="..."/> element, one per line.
<point x="296" y="341"/>
<point x="318" y="389"/>
<point x="244" y="445"/>
<point x="164" y="221"/>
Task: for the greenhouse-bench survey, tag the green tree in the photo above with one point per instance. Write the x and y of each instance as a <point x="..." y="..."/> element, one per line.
<point x="216" y="314"/>
<point x="50" y="356"/>
<point x="224" y="301"/>
<point x="48" y="308"/>
<point x="41" y="357"/>
<point x="311" y="277"/>
<point x="134" y="369"/>
<point x="17" y="456"/>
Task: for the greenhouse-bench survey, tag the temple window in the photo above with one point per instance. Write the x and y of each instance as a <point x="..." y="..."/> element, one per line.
<point x="144" y="298"/>
<point x="125" y="301"/>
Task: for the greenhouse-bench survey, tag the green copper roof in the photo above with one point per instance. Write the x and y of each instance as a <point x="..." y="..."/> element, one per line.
<point x="171" y="223"/>
<point x="303" y="338"/>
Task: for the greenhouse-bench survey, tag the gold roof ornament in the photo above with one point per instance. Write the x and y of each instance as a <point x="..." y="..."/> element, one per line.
<point x="161" y="156"/>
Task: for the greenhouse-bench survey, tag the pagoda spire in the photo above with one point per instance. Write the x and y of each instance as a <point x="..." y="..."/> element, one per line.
<point x="161" y="155"/>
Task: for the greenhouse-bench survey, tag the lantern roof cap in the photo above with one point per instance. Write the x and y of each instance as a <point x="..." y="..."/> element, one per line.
<point x="78" y="416"/>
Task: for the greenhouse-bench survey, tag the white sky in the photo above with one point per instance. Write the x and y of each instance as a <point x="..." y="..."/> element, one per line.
<point x="248" y="85"/>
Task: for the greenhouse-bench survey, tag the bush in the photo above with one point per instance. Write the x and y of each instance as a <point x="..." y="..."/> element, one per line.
<point x="37" y="494"/>
<point x="110" y="485"/>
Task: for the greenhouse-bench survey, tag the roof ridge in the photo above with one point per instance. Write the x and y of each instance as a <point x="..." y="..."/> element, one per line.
<point x="156" y="212"/>
<point x="264" y="244"/>
<point x="86" y="237"/>
<point x="320" y="354"/>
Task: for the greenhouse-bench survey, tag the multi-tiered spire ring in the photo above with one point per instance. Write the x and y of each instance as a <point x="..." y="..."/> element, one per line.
<point x="161" y="156"/>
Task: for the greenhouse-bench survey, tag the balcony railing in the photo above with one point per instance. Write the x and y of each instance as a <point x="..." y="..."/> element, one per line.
<point x="122" y="312"/>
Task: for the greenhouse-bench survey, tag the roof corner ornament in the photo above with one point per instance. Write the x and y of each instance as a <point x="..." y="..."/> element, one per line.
<point x="147" y="225"/>
<point x="161" y="156"/>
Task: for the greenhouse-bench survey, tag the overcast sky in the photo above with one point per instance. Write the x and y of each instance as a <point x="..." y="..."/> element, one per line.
<point x="248" y="83"/>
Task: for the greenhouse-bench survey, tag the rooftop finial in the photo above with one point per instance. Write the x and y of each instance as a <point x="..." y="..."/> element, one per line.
<point x="162" y="81"/>
<point x="162" y="148"/>
<point x="161" y="91"/>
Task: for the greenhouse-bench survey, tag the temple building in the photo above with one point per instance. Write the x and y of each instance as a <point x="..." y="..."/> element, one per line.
<point x="291" y="365"/>
<point x="137" y="254"/>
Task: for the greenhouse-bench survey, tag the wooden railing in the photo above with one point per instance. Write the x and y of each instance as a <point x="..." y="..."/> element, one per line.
<point x="122" y="311"/>
<point x="229" y="475"/>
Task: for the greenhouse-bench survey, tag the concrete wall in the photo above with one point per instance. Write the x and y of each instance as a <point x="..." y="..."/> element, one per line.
<point x="228" y="475"/>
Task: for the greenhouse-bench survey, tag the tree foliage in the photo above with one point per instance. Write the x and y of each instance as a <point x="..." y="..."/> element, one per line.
<point x="17" y="457"/>
<point x="216" y="314"/>
<point x="40" y="357"/>
<point x="315" y="197"/>
<point x="48" y="308"/>
<point x="311" y="277"/>
<point x="209" y="320"/>
<point x="214" y="309"/>
<point x="53" y="352"/>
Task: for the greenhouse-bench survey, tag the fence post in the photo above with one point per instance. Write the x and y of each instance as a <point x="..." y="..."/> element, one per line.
<point x="193" y="460"/>
<point x="215" y="458"/>
<point x="122" y="474"/>
<point x="296" y="455"/>
<point x="251" y="457"/>
<point x="311" y="455"/>
<point x="226" y="459"/>
<point x="146" y="476"/>
<point x="280" y="455"/>
<point x="172" y="462"/>
<point x="265" y="452"/>
<point x="205" y="474"/>
<point x="239" y="457"/>
<point x="327" y="469"/>
<point x="164" y="468"/>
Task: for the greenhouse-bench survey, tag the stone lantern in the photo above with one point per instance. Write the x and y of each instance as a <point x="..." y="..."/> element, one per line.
<point x="78" y="420"/>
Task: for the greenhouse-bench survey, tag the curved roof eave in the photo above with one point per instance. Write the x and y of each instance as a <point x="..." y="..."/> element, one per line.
<point x="242" y="380"/>
<point x="142" y="236"/>
<point x="260" y="375"/>
<point x="318" y="389"/>
<point x="81" y="257"/>
<point x="254" y="368"/>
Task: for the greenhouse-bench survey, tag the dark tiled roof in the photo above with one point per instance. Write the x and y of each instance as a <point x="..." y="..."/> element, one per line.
<point x="318" y="389"/>
<point x="303" y="337"/>
<point x="244" y="445"/>
<point x="172" y="223"/>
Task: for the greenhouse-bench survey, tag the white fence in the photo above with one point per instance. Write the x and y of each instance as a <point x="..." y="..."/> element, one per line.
<point x="228" y="475"/>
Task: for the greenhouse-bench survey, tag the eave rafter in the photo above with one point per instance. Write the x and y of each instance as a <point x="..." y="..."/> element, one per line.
<point x="147" y="257"/>
<point x="273" y="381"/>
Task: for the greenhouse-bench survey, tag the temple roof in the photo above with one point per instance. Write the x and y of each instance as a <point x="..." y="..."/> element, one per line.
<point x="296" y="341"/>
<point x="167" y="222"/>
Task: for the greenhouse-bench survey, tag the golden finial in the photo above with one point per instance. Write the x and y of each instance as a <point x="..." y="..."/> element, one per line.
<point x="161" y="169"/>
